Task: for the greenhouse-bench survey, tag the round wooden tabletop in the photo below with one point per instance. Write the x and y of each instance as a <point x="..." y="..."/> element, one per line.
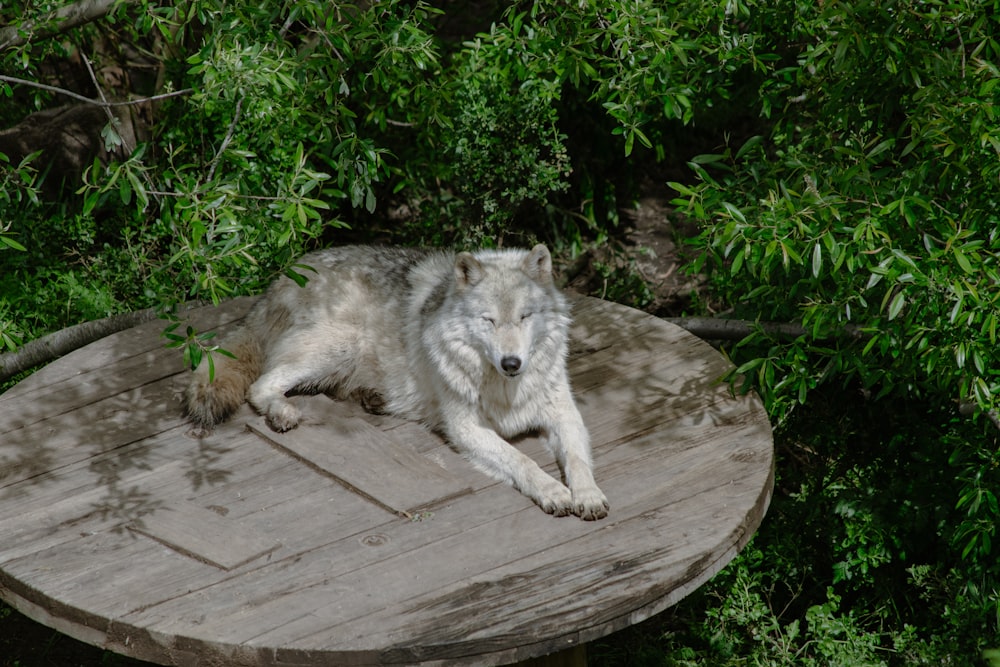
<point x="359" y="539"/>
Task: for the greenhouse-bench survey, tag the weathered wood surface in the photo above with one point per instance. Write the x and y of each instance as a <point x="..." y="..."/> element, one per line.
<point x="359" y="539"/>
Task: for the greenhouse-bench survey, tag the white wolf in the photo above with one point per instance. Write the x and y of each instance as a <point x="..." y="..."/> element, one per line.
<point x="473" y="345"/>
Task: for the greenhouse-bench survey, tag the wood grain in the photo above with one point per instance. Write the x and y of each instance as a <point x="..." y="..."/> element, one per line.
<point x="359" y="539"/>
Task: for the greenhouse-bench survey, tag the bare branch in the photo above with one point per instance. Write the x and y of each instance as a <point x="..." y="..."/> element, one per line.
<point x="713" y="328"/>
<point x="61" y="20"/>
<point x="114" y="122"/>
<point x="56" y="344"/>
<point x="62" y="342"/>
<point x="98" y="103"/>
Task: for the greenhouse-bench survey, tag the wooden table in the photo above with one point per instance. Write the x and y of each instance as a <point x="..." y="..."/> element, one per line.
<point x="357" y="539"/>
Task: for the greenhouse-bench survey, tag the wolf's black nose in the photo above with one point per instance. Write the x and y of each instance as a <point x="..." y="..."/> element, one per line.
<point x="510" y="365"/>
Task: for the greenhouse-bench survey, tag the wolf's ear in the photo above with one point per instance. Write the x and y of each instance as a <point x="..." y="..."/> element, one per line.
<point x="538" y="264"/>
<point x="468" y="270"/>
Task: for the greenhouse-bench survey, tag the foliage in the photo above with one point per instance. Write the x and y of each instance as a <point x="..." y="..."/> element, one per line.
<point x="866" y="210"/>
<point x="215" y="207"/>
<point x="308" y="116"/>
<point x="878" y="213"/>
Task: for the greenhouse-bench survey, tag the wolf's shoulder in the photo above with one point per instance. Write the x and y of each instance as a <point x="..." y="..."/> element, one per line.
<point x="375" y="258"/>
<point x="371" y="255"/>
<point x="395" y="270"/>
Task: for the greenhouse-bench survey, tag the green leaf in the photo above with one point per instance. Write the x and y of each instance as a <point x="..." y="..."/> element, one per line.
<point x="125" y="190"/>
<point x="708" y="158"/>
<point x="749" y="145"/>
<point x="734" y="212"/>
<point x="643" y="139"/>
<point x="748" y="366"/>
<point x="737" y="263"/>
<point x="11" y="243"/>
<point x="880" y="148"/>
<point x="10" y="341"/>
<point x="297" y="277"/>
<point x="978" y="362"/>
<point x="681" y="188"/>
<point x="897" y="305"/>
<point x="963" y="261"/>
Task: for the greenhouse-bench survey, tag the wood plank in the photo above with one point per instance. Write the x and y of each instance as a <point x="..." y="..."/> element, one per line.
<point x="366" y="460"/>
<point x="232" y="473"/>
<point x="27" y="408"/>
<point x="579" y="579"/>
<point x="86" y="554"/>
<point x="204" y="535"/>
<point x="126" y="415"/>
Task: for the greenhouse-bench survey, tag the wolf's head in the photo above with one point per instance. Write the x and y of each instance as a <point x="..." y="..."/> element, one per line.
<point x="510" y="305"/>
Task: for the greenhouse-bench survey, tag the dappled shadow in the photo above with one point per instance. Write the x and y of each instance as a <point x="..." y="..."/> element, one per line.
<point x="632" y="373"/>
<point x="87" y="437"/>
<point x="664" y="425"/>
<point x="123" y="504"/>
<point x="204" y="467"/>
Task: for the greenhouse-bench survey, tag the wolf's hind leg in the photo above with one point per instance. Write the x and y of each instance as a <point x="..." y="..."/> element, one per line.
<point x="268" y="395"/>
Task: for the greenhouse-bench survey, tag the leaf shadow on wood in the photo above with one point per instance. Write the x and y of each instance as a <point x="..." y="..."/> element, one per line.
<point x="98" y="434"/>
<point x="633" y="374"/>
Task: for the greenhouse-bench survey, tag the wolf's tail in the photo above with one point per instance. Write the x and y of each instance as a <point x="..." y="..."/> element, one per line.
<point x="212" y="401"/>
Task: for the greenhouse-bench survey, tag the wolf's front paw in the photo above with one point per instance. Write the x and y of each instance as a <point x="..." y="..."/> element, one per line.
<point x="590" y="504"/>
<point x="283" y="417"/>
<point x="555" y="499"/>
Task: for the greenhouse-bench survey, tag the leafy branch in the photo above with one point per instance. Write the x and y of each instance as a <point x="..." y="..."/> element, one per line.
<point x="62" y="20"/>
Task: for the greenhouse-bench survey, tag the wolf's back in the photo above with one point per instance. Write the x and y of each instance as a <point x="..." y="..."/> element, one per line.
<point x="209" y="402"/>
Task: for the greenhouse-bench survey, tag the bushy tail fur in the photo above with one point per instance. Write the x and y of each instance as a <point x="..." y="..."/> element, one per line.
<point x="211" y="402"/>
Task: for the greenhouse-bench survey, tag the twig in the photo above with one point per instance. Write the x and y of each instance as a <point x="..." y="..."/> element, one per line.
<point x="107" y="110"/>
<point x="99" y="103"/>
<point x="197" y="191"/>
<point x="961" y="45"/>
<point x="59" y="343"/>
<point x="225" y="140"/>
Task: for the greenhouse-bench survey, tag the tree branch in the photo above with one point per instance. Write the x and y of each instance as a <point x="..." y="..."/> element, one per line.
<point x="712" y="328"/>
<point x="97" y="103"/>
<point x="61" y="20"/>
<point x="54" y="345"/>
<point x="59" y="343"/>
